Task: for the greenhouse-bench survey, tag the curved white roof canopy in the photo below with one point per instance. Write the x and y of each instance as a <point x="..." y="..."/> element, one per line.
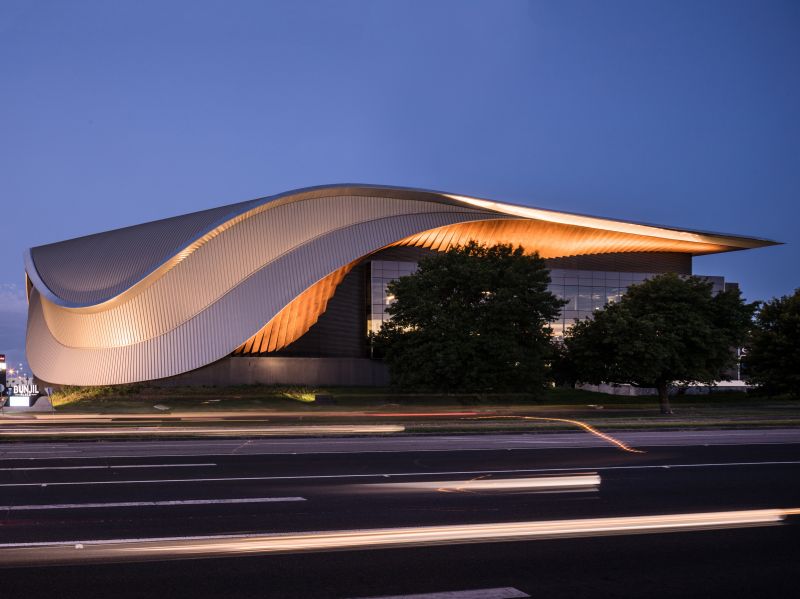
<point x="158" y="299"/>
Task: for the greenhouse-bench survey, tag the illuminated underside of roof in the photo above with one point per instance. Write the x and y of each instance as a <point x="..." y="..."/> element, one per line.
<point x="163" y="298"/>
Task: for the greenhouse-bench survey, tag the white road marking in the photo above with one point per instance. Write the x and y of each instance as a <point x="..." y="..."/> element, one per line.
<point x="393" y="474"/>
<point x="73" y="506"/>
<point x="498" y="593"/>
<point x="254" y="451"/>
<point x="29" y="468"/>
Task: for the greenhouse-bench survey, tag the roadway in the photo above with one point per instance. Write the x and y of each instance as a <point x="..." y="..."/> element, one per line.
<point x="563" y="514"/>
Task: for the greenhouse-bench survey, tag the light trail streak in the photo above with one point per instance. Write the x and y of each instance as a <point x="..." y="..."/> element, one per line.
<point x="417" y="414"/>
<point x="105" y="467"/>
<point x="327" y="429"/>
<point x="249" y="416"/>
<point x="122" y="550"/>
<point x="541" y="483"/>
<point x="168" y="503"/>
<point x="496" y="593"/>
<point x="585" y="426"/>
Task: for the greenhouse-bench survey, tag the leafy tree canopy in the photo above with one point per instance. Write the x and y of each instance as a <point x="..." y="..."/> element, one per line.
<point x="666" y="330"/>
<point x="772" y="359"/>
<point x="474" y="318"/>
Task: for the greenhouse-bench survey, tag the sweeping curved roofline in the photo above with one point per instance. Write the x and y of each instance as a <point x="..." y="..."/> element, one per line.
<point x="162" y="298"/>
<point x="241" y="210"/>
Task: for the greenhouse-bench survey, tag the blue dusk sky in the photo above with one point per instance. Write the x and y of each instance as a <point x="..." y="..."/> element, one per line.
<point x="682" y="113"/>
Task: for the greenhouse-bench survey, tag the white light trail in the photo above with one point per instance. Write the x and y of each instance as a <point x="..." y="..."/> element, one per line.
<point x="122" y="550"/>
<point x="113" y="467"/>
<point x="262" y="431"/>
<point x="496" y="593"/>
<point x="541" y="483"/>
<point x="175" y="502"/>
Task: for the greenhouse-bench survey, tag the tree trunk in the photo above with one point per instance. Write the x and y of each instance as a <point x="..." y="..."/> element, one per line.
<point x="663" y="397"/>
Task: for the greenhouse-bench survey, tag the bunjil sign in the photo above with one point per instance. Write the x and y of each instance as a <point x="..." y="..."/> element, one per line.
<point x="24" y="389"/>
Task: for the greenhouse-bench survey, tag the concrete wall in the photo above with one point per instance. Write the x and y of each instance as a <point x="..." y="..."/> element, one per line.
<point x="314" y="372"/>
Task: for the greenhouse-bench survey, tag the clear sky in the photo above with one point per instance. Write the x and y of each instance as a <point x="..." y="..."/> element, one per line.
<point x="673" y="112"/>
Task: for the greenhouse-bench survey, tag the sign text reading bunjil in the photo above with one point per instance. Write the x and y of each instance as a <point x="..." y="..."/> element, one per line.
<point x="25" y="389"/>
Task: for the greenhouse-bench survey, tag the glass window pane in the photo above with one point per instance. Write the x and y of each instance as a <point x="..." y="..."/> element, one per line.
<point x="571" y="295"/>
<point x="598" y="297"/>
<point x="584" y="298"/>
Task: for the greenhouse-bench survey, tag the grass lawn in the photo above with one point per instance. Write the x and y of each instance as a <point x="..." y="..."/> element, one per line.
<point x="149" y="400"/>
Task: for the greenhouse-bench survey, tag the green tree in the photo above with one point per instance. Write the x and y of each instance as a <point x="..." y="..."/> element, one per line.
<point x="474" y="318"/>
<point x="772" y="360"/>
<point x="666" y="330"/>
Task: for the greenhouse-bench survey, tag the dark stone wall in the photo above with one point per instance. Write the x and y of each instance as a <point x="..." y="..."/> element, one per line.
<point x="274" y="370"/>
<point x="341" y="331"/>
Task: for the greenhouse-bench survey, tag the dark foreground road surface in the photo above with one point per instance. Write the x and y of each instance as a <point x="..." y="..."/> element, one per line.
<point x="387" y="517"/>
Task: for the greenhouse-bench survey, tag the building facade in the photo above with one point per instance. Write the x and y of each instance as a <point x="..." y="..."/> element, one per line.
<point x="283" y="290"/>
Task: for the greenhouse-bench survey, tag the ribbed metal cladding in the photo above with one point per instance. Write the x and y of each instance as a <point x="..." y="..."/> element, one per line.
<point x="220" y="327"/>
<point x="217" y="267"/>
<point x="93" y="268"/>
<point x="160" y="299"/>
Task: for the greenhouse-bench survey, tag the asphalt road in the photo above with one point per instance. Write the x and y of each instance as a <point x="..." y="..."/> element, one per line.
<point x="389" y="444"/>
<point x="96" y="508"/>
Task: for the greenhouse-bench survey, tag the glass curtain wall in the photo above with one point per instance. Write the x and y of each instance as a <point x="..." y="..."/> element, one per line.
<point x="590" y="290"/>
<point x="584" y="290"/>
<point x="383" y="272"/>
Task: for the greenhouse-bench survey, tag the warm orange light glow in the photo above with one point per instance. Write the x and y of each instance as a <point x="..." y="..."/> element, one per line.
<point x="556" y="236"/>
<point x="587" y="427"/>
<point x="294" y="320"/>
<point x="418" y="414"/>
<point x="558" y="240"/>
<point x="604" y="224"/>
